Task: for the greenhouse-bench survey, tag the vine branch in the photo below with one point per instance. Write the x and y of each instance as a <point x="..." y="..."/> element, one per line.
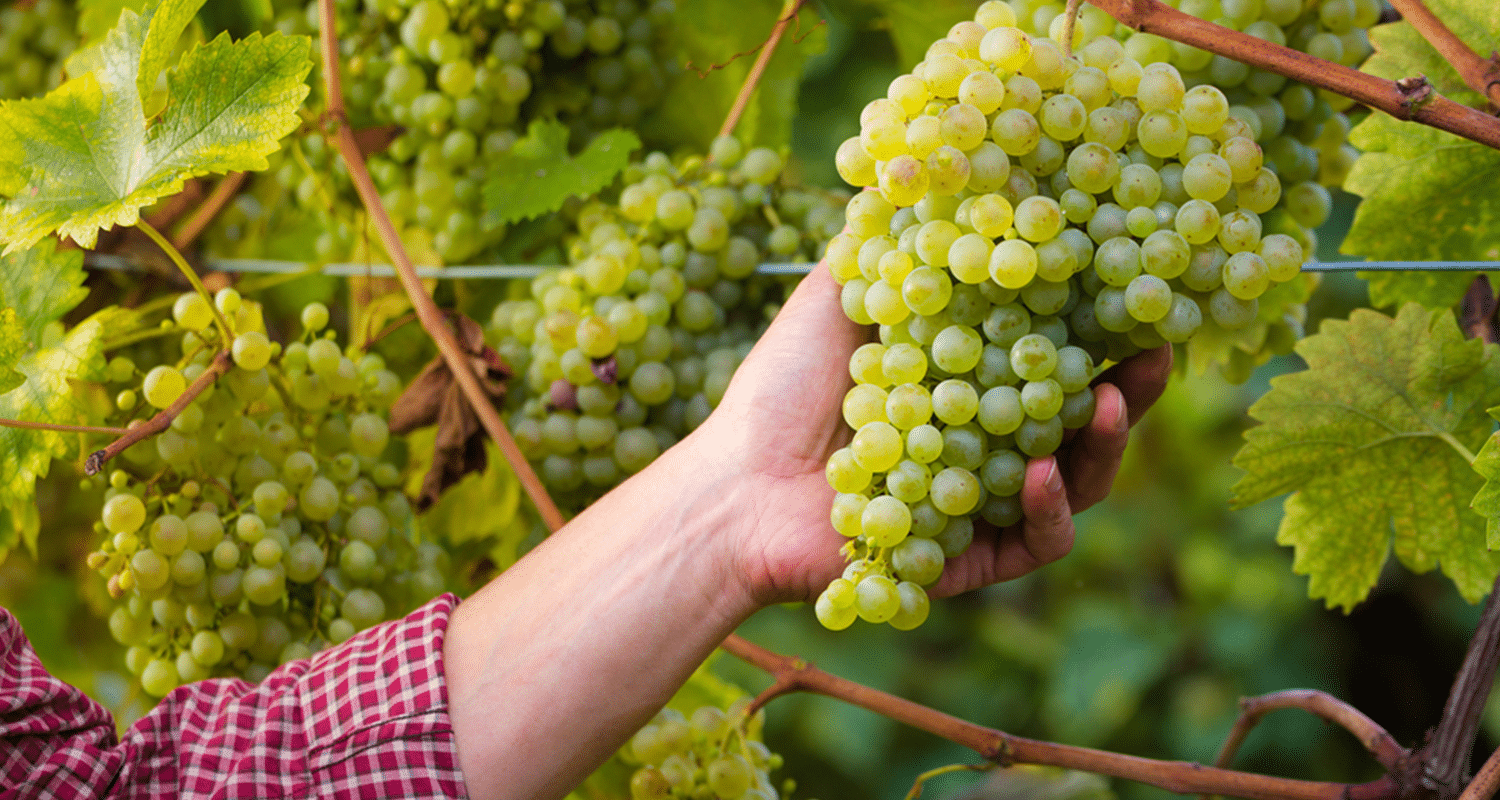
<point x="1409" y="99"/>
<point x="428" y="313"/>
<point x="212" y="205"/>
<point x="162" y="418"/>
<point x="1370" y="734"/>
<point x="793" y="674"/>
<point x="789" y="11"/>
<point x="1447" y="754"/>
<point x="1479" y="73"/>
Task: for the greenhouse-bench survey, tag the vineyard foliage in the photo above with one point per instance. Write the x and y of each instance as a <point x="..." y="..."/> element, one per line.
<point x="278" y="513"/>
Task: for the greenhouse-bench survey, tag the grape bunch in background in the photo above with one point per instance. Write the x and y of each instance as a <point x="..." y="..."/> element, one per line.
<point x="265" y="523"/>
<point x="1029" y="217"/>
<point x="711" y="753"/>
<point x="457" y="83"/>
<point x="621" y="353"/>
<point x="34" y="42"/>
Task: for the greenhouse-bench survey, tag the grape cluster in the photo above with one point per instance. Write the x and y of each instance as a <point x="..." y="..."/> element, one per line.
<point x="265" y="522"/>
<point x="712" y="753"/>
<point x="34" y="42"/>
<point x="1029" y="217"/>
<point x="460" y="81"/>
<point x="631" y="346"/>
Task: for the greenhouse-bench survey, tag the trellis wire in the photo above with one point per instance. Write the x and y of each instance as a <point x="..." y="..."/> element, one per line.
<point x="526" y="271"/>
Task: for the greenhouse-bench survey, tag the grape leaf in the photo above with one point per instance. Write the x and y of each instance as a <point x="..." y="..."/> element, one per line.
<point x="1373" y="439"/>
<point x="718" y="41"/>
<point x="1431" y="288"/>
<point x="12" y="347"/>
<point x="1487" y="499"/>
<point x="538" y="175"/>
<point x="1409" y="167"/>
<point x="37" y="287"/>
<point x="82" y="158"/>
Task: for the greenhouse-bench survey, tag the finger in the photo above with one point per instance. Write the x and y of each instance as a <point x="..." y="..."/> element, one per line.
<point x="1047" y="526"/>
<point x="1141" y="378"/>
<point x="1093" y="457"/>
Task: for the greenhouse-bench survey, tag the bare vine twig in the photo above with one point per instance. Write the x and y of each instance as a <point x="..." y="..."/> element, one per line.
<point x="1370" y="734"/>
<point x="162" y="418"/>
<point x="1481" y="74"/>
<point x="428" y="313"/>
<point x="789" y="11"/>
<point x="793" y="674"/>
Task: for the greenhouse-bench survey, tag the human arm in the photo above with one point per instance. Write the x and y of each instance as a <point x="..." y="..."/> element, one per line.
<point x="555" y="663"/>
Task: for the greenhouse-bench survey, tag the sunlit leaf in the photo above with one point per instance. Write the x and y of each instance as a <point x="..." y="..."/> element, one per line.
<point x="1373" y="439"/>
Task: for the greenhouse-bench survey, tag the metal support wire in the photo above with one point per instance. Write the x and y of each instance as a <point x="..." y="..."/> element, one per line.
<point x="527" y="271"/>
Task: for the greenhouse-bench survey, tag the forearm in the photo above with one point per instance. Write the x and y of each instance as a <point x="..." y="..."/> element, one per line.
<point x="554" y="664"/>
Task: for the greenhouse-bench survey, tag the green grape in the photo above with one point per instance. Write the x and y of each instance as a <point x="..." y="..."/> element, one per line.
<point x="163" y="385"/>
<point x="876" y="598"/>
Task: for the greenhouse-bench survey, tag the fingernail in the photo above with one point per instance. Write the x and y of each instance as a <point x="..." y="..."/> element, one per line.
<point x="1054" y="482"/>
<point x="1122" y="418"/>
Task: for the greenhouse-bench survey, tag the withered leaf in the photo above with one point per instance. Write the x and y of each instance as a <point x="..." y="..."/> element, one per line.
<point x="435" y="398"/>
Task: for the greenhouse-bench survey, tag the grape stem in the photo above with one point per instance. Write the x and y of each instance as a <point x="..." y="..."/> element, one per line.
<point x="212" y="205"/>
<point x="792" y="674"/>
<point x="225" y="332"/>
<point x="1479" y="73"/>
<point x="1412" y="103"/>
<point x="158" y="423"/>
<point x="431" y="317"/>
<point x="1070" y="20"/>
<point x="1386" y="750"/>
<point x="916" y="786"/>
<point x="52" y="426"/>
<point x="789" y="10"/>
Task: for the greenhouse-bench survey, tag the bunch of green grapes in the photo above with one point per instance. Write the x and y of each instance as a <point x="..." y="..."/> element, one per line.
<point x="266" y="522"/>
<point x="628" y="348"/>
<point x="714" y="753"/>
<point x="461" y="81"/>
<point x="1028" y="218"/>
<point x="34" y="42"/>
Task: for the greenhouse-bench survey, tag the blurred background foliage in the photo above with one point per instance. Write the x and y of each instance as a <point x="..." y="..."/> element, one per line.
<point x="1169" y="609"/>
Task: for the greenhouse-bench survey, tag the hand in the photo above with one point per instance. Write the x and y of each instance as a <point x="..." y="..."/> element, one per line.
<point x="782" y="418"/>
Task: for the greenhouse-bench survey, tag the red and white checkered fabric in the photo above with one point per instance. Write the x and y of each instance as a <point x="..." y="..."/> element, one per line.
<point x="366" y="719"/>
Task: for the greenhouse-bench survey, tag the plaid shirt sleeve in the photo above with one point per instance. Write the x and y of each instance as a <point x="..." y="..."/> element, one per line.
<point x="366" y="719"/>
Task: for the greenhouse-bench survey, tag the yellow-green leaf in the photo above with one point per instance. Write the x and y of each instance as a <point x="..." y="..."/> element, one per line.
<point x="1406" y="167"/>
<point x="82" y="158"/>
<point x="1374" y="440"/>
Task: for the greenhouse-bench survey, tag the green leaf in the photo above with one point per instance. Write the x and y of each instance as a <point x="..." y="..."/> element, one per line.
<point x="718" y="41"/>
<point x="1374" y="440"/>
<point x="1431" y="288"/>
<point x="136" y="50"/>
<point x="1408" y="166"/>
<point x="82" y="159"/>
<point x="1487" y="500"/>
<point x="37" y="287"/>
<point x="537" y="176"/>
<point x="12" y="348"/>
